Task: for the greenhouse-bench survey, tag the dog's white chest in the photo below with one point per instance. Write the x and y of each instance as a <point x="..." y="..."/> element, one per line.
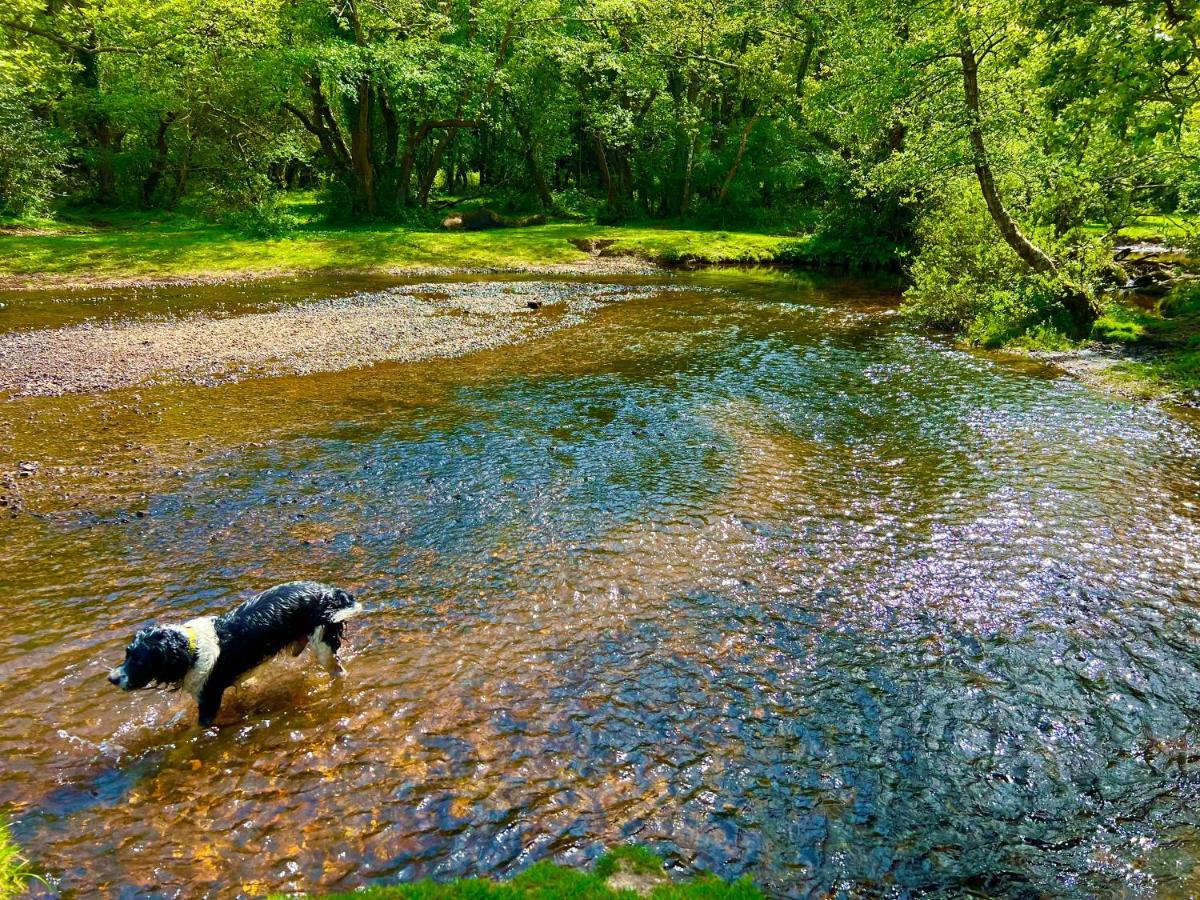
<point x="202" y="640"/>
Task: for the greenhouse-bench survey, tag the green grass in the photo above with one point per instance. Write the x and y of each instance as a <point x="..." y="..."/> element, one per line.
<point x="140" y="245"/>
<point x="1163" y="343"/>
<point x="1175" y="229"/>
<point x="15" y="873"/>
<point x="1173" y="374"/>
<point x="1159" y="344"/>
<point x="1168" y="336"/>
<point x="1122" y="323"/>
<point x="547" y="881"/>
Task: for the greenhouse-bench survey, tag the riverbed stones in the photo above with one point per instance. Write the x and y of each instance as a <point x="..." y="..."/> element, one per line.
<point x="404" y="323"/>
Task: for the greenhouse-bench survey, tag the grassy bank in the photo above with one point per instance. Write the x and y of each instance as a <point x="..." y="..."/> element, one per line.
<point x="1160" y="344"/>
<point x="140" y="246"/>
<point x="1176" y="230"/>
<point x="624" y="872"/>
<point x="1139" y="347"/>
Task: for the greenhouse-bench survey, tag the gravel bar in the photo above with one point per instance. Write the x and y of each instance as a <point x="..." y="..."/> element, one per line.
<point x="406" y="323"/>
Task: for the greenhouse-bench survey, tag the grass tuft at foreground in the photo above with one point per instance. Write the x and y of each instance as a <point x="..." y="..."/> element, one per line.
<point x="623" y="872"/>
<point x="15" y="872"/>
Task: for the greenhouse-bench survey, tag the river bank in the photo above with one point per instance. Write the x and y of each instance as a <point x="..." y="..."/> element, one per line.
<point x="404" y="323"/>
<point x="1141" y="348"/>
<point x="1133" y="350"/>
<point x="139" y="250"/>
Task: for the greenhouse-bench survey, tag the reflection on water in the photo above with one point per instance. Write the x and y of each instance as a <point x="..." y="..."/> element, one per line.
<point x="763" y="580"/>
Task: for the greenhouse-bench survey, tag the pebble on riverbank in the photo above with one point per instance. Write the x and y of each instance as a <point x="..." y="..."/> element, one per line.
<point x="406" y="323"/>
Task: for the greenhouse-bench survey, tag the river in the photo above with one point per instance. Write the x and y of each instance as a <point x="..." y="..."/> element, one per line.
<point x="751" y="572"/>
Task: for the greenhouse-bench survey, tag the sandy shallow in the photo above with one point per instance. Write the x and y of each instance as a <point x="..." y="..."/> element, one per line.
<point x="407" y="323"/>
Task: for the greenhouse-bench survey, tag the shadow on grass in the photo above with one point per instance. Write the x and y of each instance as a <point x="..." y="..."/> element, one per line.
<point x="1162" y="342"/>
<point x="138" y="245"/>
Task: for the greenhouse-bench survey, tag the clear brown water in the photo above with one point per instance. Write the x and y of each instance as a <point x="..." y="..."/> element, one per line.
<point x="762" y="578"/>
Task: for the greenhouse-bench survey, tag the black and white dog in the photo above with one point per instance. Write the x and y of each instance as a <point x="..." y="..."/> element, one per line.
<point x="206" y="656"/>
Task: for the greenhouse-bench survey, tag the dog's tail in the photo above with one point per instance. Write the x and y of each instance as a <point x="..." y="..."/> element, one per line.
<point x="340" y="606"/>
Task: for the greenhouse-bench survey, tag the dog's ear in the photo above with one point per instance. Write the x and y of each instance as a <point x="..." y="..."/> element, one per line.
<point x="167" y="654"/>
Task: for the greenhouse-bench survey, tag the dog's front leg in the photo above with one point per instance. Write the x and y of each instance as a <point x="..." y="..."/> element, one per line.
<point x="210" y="704"/>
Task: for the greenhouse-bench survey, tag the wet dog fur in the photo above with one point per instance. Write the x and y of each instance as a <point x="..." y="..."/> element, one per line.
<point x="208" y="655"/>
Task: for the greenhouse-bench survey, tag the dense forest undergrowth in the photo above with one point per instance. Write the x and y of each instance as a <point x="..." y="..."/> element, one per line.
<point x="1000" y="156"/>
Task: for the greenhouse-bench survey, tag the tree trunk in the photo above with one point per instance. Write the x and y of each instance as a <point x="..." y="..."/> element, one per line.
<point x="685" y="200"/>
<point x="737" y="160"/>
<point x="99" y="125"/>
<point x="435" y="163"/>
<point x="322" y="125"/>
<point x="182" y="173"/>
<point x="624" y="176"/>
<point x="159" y="166"/>
<point x="1033" y="255"/>
<point x="391" y="130"/>
<point x="605" y="174"/>
<point x="361" y="147"/>
<point x="1076" y="302"/>
<point x="536" y="175"/>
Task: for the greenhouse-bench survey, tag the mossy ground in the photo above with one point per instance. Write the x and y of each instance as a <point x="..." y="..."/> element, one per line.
<point x="547" y="881"/>
<point x="1164" y="341"/>
<point x="133" y="245"/>
<point x="1155" y="346"/>
<point x="1172" y="229"/>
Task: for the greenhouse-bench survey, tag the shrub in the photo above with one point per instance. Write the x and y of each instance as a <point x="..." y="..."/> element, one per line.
<point x="251" y="205"/>
<point x="31" y="154"/>
<point x="965" y="278"/>
<point x="858" y="234"/>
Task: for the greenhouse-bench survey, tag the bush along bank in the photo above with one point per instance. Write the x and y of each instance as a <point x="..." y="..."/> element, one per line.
<point x="623" y="872"/>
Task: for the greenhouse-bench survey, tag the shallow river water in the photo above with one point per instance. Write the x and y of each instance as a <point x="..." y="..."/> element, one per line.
<point x="751" y="573"/>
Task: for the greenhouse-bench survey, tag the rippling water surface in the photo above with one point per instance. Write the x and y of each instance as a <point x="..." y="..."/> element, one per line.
<point x="753" y="574"/>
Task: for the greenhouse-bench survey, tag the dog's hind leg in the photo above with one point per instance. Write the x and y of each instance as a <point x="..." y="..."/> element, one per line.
<point x="325" y="642"/>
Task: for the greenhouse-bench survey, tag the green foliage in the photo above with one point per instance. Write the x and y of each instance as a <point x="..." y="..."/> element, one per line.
<point x="250" y="206"/>
<point x="840" y="123"/>
<point x="547" y="881"/>
<point x="15" y="872"/>
<point x="1121" y="324"/>
<point x="966" y="278"/>
<point x="1164" y="343"/>
<point x="867" y="235"/>
<point x="963" y="271"/>
<point x="32" y="154"/>
<point x="1182" y="301"/>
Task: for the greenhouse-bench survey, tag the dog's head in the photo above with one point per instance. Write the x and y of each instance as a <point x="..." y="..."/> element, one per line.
<point x="155" y="655"/>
